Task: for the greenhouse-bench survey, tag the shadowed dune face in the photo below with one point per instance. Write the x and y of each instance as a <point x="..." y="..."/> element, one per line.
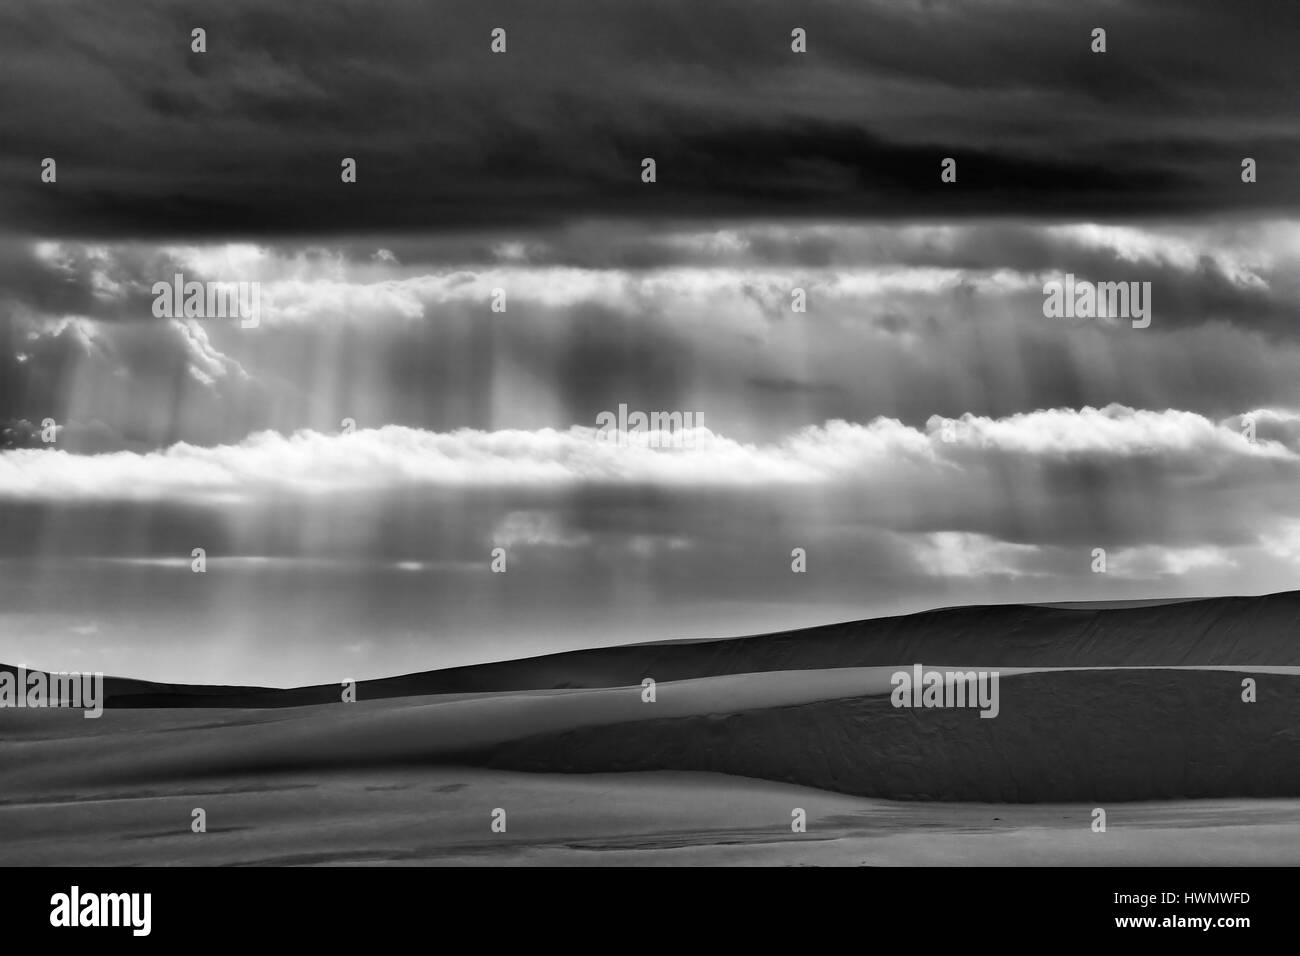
<point x="1105" y="736"/>
<point x="1114" y="735"/>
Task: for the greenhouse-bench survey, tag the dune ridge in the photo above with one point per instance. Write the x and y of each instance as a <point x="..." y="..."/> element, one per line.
<point x="1262" y="630"/>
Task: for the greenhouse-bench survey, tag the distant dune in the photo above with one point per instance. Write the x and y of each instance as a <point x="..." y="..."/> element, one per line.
<point x="1209" y="631"/>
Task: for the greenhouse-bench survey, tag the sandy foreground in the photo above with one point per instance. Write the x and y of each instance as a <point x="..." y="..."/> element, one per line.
<point x="442" y="815"/>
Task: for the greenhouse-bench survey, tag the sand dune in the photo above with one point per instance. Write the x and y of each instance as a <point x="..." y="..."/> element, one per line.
<point x="1079" y="725"/>
<point x="1084" y="735"/>
<point x="1061" y="735"/>
<point x="1211" y="631"/>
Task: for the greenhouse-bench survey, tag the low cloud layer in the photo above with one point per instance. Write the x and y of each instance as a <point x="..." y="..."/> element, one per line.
<point x="387" y="535"/>
<point x="1172" y="444"/>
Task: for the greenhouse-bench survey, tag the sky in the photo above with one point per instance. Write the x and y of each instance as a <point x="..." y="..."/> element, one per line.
<point x="920" y="429"/>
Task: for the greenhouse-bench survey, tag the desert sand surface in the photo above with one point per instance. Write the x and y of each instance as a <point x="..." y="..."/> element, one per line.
<point x="442" y="815"/>
<point x="1105" y="733"/>
<point x="709" y="771"/>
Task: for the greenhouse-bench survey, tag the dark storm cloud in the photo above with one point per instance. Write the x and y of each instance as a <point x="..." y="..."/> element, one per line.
<point x="152" y="139"/>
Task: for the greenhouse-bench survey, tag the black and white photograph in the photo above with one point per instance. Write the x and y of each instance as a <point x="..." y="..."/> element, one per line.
<point x="651" y="434"/>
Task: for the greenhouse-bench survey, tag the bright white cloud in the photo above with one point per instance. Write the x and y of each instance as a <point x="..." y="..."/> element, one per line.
<point x="883" y="453"/>
<point x="965" y="555"/>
